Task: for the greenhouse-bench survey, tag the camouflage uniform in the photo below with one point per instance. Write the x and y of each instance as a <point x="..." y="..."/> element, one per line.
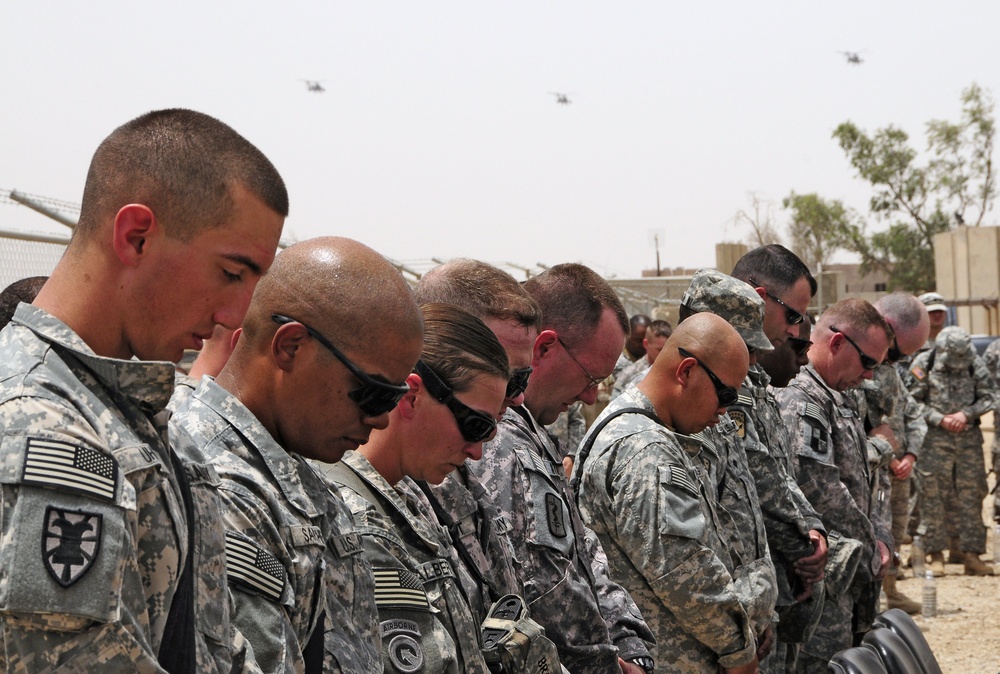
<point x="957" y="380"/>
<point x="887" y="400"/>
<point x="425" y="621"/>
<point x="591" y="619"/>
<point x="830" y="443"/>
<point x="94" y="526"/>
<point x="568" y="429"/>
<point x="992" y="359"/>
<point x="649" y="494"/>
<point x="292" y="551"/>
<point x="633" y="372"/>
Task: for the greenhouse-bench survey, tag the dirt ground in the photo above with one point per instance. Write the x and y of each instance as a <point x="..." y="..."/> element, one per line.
<point x="965" y="635"/>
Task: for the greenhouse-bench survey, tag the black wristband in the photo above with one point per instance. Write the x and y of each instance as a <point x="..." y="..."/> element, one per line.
<point x="646" y="663"/>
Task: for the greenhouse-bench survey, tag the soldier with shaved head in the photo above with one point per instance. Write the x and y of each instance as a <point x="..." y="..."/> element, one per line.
<point x="327" y="344"/>
<point x="647" y="490"/>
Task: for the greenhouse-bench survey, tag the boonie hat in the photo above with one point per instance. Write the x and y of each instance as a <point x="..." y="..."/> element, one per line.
<point x="933" y="302"/>
<point x="732" y="299"/>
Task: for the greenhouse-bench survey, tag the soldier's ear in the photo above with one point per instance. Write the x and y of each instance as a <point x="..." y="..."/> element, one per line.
<point x="408" y="404"/>
<point x="683" y="371"/>
<point x="545" y="342"/>
<point x="286" y="342"/>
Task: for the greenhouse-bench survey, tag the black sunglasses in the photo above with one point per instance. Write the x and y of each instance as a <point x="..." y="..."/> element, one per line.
<point x="474" y="425"/>
<point x="799" y="346"/>
<point x="727" y="394"/>
<point x="374" y="397"/>
<point x="791" y="315"/>
<point x="518" y="382"/>
<point x="894" y="355"/>
<point x="867" y="361"/>
<point x="592" y="381"/>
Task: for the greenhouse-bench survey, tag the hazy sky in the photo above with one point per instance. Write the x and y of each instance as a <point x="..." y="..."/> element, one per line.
<point x="437" y="134"/>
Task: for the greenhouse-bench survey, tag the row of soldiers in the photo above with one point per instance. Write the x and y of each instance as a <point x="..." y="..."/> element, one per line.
<point x="365" y="482"/>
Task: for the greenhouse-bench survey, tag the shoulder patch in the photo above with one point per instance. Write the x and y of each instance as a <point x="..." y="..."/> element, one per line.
<point x="251" y="567"/>
<point x="71" y="542"/>
<point x="679" y="478"/>
<point x="405" y="654"/>
<point x="554" y="515"/>
<point x="918" y="372"/>
<point x="813" y="411"/>
<point x="68" y="467"/>
<point x="740" y="419"/>
<point x="399" y="588"/>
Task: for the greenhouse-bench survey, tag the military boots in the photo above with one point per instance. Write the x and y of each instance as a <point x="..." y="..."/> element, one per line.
<point x="975" y="567"/>
<point x="937" y="564"/>
<point x="896" y="599"/>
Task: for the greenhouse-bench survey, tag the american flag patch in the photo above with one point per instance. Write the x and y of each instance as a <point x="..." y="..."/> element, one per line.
<point x="399" y="588"/>
<point x="66" y="466"/>
<point x="813" y="410"/>
<point x="250" y="566"/>
<point x="680" y="478"/>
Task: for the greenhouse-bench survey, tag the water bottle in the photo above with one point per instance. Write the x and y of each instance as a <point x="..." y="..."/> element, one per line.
<point x="996" y="543"/>
<point x="917" y="557"/>
<point x="929" y="608"/>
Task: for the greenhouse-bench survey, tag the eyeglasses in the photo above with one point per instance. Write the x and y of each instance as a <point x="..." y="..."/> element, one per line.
<point x="374" y="397"/>
<point x="867" y="361"/>
<point x="894" y="355"/>
<point x="727" y="394"/>
<point x="592" y="381"/>
<point x="518" y="382"/>
<point x="799" y="346"/>
<point x="791" y="315"/>
<point x="475" y="426"/>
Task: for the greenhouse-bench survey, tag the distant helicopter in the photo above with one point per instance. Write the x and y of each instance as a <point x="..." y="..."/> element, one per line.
<point x="853" y="57"/>
<point x="561" y="99"/>
<point x="314" y="85"/>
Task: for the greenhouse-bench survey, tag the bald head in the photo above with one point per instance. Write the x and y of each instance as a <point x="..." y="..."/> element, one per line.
<point x="681" y="386"/>
<point x="909" y="320"/>
<point x="338" y="286"/>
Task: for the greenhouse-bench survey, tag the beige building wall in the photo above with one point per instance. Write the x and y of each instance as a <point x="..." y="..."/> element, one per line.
<point x="967" y="266"/>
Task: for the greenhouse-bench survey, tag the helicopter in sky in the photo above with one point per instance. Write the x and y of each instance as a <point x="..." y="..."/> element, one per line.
<point x="561" y="99"/>
<point x="853" y="57"/>
<point x="314" y="86"/>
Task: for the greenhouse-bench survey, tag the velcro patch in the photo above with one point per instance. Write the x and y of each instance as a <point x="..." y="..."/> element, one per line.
<point x="71" y="541"/>
<point x="679" y="478"/>
<point x="813" y="410"/>
<point x="399" y="588"/>
<point x="252" y="567"/>
<point x="554" y="515"/>
<point x="817" y="438"/>
<point x="918" y="372"/>
<point x="740" y="419"/>
<point x="68" y="467"/>
<point x="347" y="544"/>
<point x="435" y="569"/>
<point x="398" y="625"/>
<point x="405" y="654"/>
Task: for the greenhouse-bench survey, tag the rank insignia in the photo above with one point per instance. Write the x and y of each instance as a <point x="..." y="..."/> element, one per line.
<point x="71" y="540"/>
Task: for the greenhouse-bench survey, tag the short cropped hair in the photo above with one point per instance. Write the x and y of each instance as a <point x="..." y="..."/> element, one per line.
<point x="481" y="289"/>
<point x="459" y="347"/>
<point x="183" y="165"/>
<point x="858" y="314"/>
<point x="903" y="308"/>
<point x="658" y="328"/>
<point x="636" y="321"/>
<point x="775" y="267"/>
<point x="24" y="290"/>
<point x="572" y="298"/>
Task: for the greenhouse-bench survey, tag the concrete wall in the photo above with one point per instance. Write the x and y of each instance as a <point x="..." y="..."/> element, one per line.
<point x="967" y="266"/>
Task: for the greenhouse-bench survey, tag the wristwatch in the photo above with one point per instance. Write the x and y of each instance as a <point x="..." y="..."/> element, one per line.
<point x="646" y="663"/>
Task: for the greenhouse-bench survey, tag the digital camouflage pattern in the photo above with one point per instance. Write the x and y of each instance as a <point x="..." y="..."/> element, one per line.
<point x="568" y="429"/>
<point x="958" y="380"/>
<point x="732" y="299"/>
<point x="591" y="619"/>
<point x="829" y="441"/>
<point x="992" y="359"/>
<point x="650" y="497"/>
<point x="425" y="621"/>
<point x="293" y="554"/>
<point x="634" y="372"/>
<point x="94" y="531"/>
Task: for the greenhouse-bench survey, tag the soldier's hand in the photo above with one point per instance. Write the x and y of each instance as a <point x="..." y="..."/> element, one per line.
<point x="956" y="422"/>
<point x="883" y="431"/>
<point x="885" y="558"/>
<point x="810" y="569"/>
<point x="765" y="642"/>
<point x="752" y="668"/>
<point x="901" y="468"/>
<point x="630" y="668"/>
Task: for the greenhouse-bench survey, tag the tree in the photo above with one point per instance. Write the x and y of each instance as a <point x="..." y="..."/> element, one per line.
<point x="958" y="178"/>
<point x="761" y="222"/>
<point x="818" y="228"/>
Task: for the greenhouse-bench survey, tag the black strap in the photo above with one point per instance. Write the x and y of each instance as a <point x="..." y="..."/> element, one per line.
<point x="588" y="443"/>
<point x="312" y="654"/>
<point x="177" y="649"/>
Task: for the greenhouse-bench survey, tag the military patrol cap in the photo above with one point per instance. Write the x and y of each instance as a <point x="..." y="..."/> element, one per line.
<point x="933" y="302"/>
<point x="732" y="299"/>
<point x="954" y="346"/>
